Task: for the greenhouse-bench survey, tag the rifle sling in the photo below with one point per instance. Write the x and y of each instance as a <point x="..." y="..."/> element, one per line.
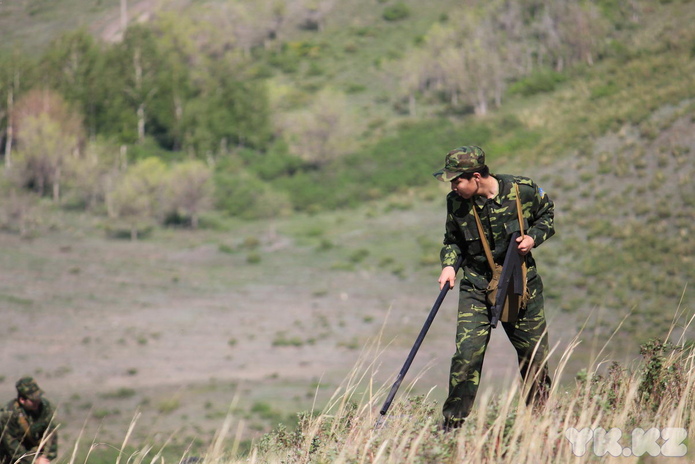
<point x="486" y="246"/>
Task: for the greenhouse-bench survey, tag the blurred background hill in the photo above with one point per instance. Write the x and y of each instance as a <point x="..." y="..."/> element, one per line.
<point x="168" y="165"/>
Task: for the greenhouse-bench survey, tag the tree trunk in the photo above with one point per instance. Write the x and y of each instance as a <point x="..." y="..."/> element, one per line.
<point x="123" y="159"/>
<point x="124" y="15"/>
<point x="10" y="128"/>
<point x="481" y="105"/>
<point x="137" y="64"/>
<point x="178" y="114"/>
<point x="141" y="122"/>
<point x="56" y="186"/>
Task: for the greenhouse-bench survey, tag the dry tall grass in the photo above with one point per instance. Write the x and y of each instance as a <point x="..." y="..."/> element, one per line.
<point x="604" y="413"/>
<point x="613" y="413"/>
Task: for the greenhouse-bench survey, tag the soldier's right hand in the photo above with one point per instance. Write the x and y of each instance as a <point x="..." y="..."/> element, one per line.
<point x="448" y="275"/>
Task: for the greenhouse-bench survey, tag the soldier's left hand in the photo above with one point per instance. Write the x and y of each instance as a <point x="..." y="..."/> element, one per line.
<point x="525" y="244"/>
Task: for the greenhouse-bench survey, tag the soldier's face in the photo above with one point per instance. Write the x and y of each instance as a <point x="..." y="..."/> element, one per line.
<point x="29" y="405"/>
<point x="465" y="188"/>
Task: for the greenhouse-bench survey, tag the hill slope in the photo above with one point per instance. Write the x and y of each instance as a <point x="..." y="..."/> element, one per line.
<point x="275" y="312"/>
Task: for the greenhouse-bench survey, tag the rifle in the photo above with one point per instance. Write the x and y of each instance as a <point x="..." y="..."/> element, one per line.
<point x="418" y="342"/>
<point x="511" y="277"/>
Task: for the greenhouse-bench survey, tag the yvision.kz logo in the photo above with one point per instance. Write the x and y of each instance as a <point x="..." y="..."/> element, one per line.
<point x="666" y="442"/>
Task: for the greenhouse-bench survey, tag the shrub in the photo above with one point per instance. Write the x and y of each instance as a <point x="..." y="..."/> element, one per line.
<point x="281" y="339"/>
<point x="169" y="405"/>
<point x="359" y="255"/>
<point x="243" y="194"/>
<point x="604" y="90"/>
<point x="538" y="82"/>
<point x="396" y="12"/>
<point x="121" y="393"/>
<point x="251" y="243"/>
<point x="224" y="248"/>
<point x="661" y="380"/>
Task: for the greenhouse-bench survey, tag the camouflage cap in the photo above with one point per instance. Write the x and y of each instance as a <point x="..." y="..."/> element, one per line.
<point x="28" y="388"/>
<point x="459" y="161"/>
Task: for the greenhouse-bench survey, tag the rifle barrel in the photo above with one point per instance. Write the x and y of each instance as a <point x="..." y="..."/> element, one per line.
<point x="418" y="341"/>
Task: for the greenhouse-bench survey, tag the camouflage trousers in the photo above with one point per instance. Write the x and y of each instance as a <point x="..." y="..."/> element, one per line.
<point x="527" y="335"/>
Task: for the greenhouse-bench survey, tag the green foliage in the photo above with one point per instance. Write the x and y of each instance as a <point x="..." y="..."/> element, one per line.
<point x="541" y="81"/>
<point x="240" y="193"/>
<point x="604" y="90"/>
<point x="394" y="164"/>
<point x="233" y="110"/>
<point x="103" y="413"/>
<point x="73" y="65"/>
<point x="282" y="339"/>
<point x="146" y="83"/>
<point x="396" y="12"/>
<point x="359" y="255"/>
<point x="137" y="197"/>
<point x="662" y="378"/>
<point x="169" y="405"/>
<point x="517" y="140"/>
<point x="274" y="163"/>
<point x="253" y="258"/>
<point x="189" y="191"/>
<point x="150" y="148"/>
<point x="264" y="410"/>
<point x="121" y="393"/>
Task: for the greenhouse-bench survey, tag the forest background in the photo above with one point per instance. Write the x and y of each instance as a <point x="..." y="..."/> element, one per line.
<point x="168" y="162"/>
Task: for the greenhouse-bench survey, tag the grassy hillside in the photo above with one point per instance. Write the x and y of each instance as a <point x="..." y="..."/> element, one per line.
<point x="262" y="319"/>
<point x="501" y="429"/>
<point x="29" y="25"/>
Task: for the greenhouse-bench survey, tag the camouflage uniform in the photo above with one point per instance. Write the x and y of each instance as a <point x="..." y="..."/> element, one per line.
<point x="24" y="433"/>
<point x="499" y="219"/>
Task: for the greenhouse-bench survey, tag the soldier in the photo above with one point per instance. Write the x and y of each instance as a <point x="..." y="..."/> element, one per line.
<point x="494" y="198"/>
<point x="27" y="427"/>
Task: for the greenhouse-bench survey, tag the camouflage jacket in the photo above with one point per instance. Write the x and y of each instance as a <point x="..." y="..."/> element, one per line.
<point x="25" y="434"/>
<point x="499" y="219"/>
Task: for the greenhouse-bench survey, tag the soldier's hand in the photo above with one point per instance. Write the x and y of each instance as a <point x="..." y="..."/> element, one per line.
<point x="525" y="244"/>
<point x="42" y="460"/>
<point x="448" y="275"/>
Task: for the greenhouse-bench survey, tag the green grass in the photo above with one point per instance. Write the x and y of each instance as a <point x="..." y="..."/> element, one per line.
<point x="30" y="25"/>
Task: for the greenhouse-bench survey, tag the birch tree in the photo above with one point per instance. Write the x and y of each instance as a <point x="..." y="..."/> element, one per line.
<point x="141" y="65"/>
<point x="13" y="69"/>
<point x="72" y="66"/>
<point x="321" y="133"/>
<point x="137" y="195"/>
<point x="189" y="190"/>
